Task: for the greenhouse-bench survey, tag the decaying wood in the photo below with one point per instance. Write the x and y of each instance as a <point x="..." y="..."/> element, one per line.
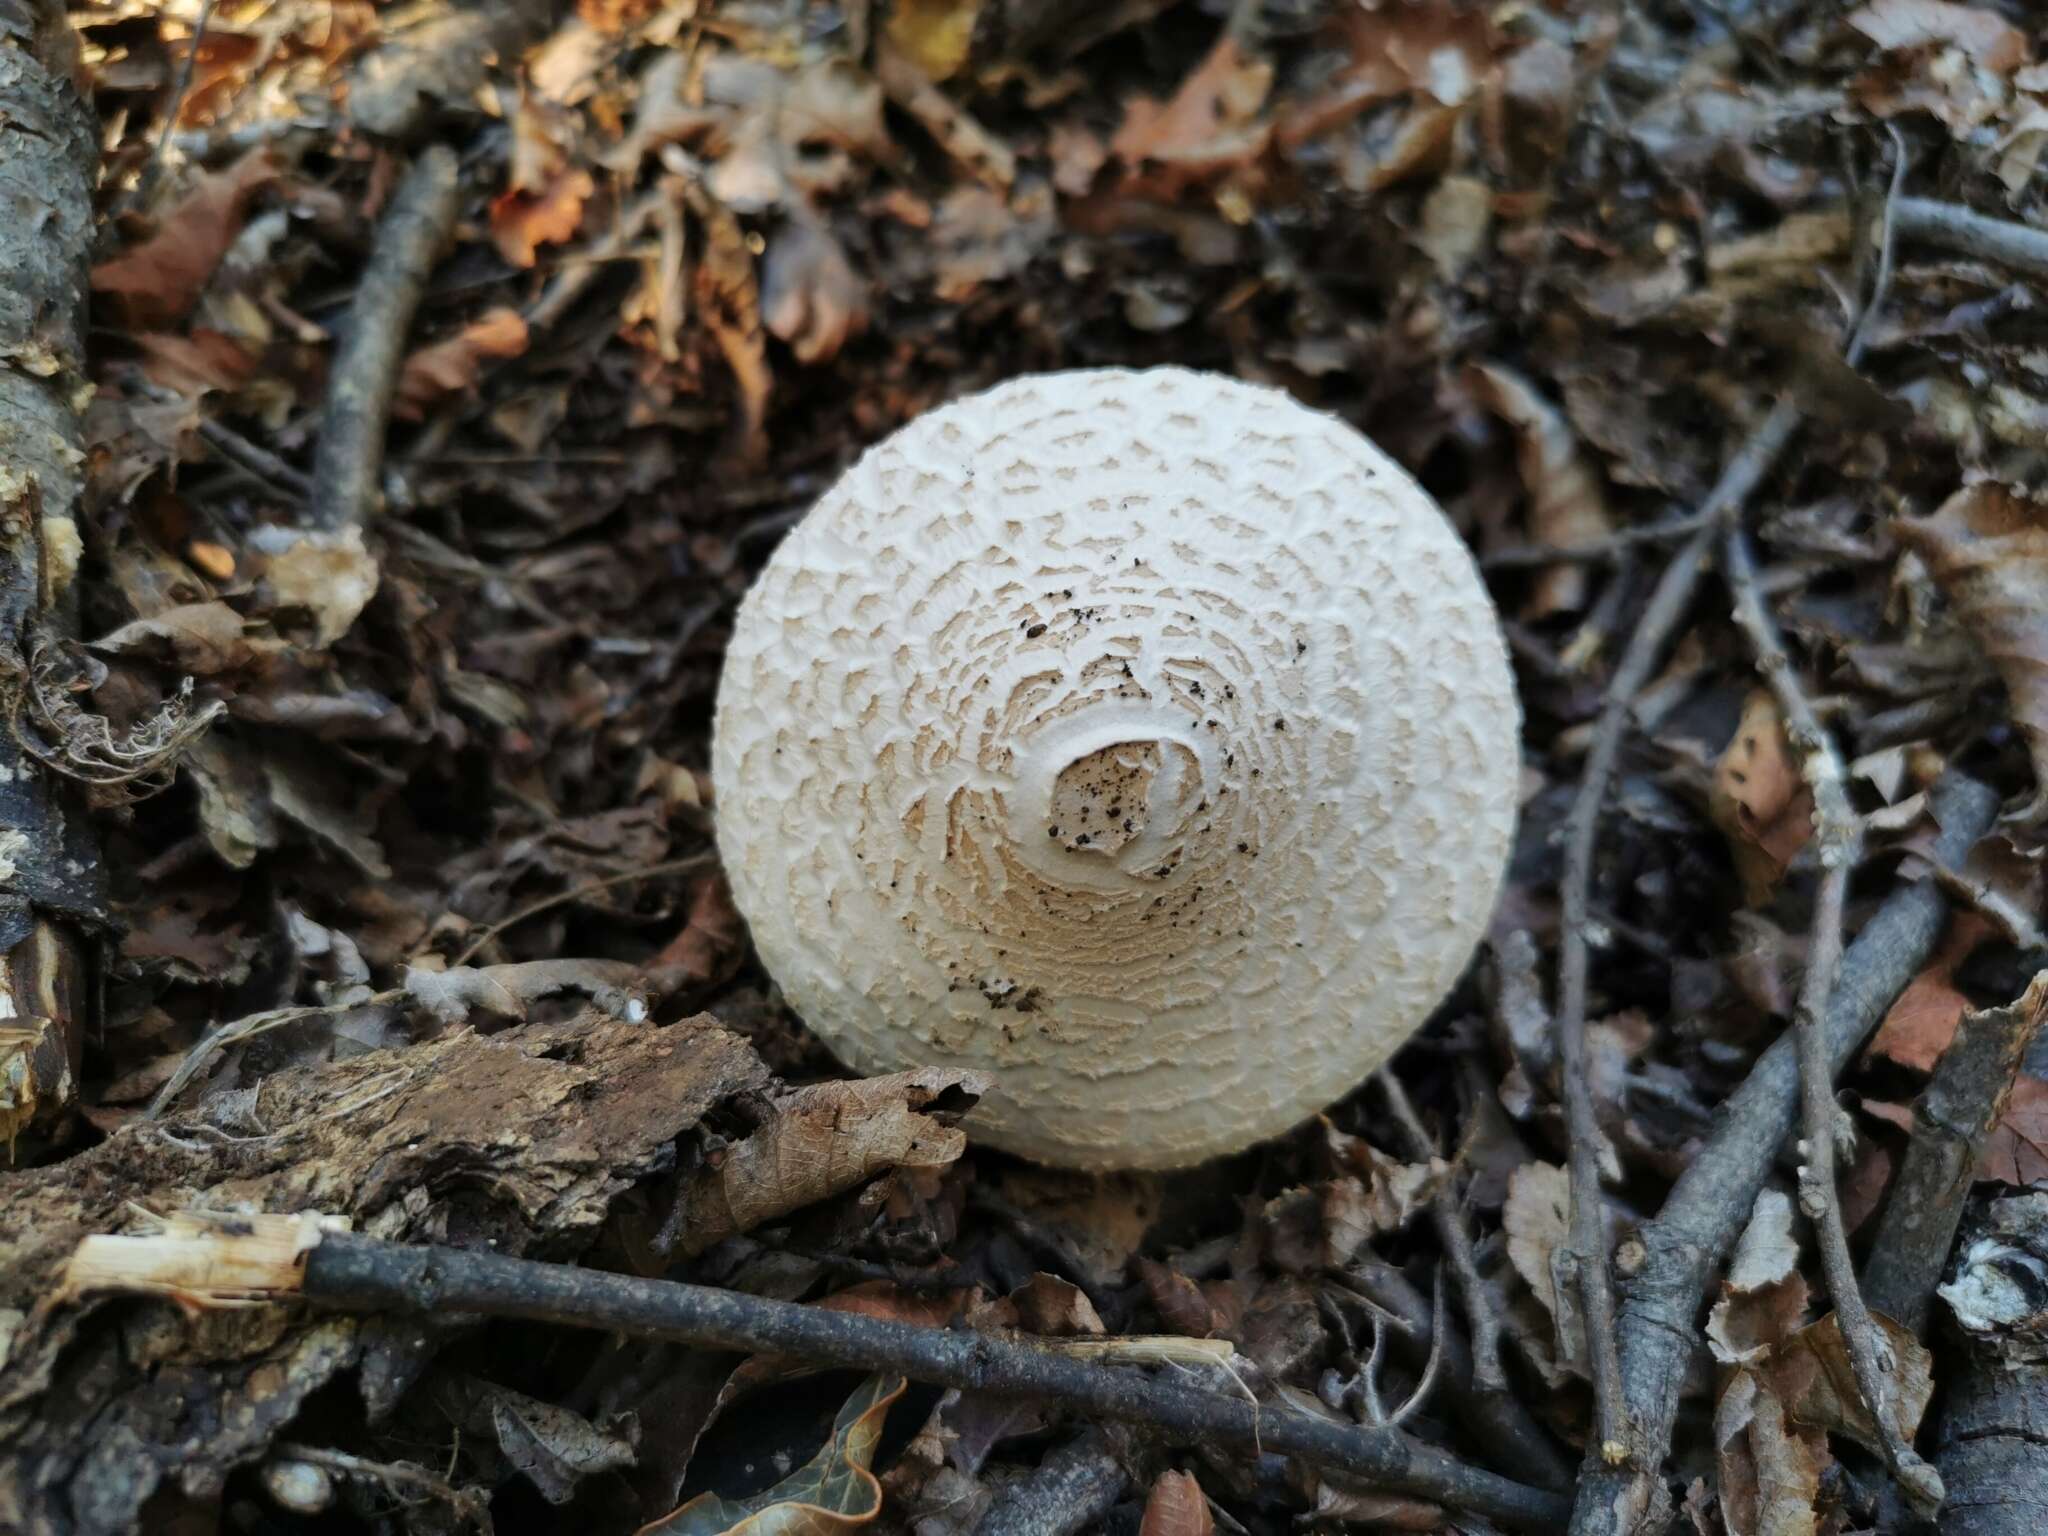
<point x="520" y="1140"/>
<point x="51" y="897"/>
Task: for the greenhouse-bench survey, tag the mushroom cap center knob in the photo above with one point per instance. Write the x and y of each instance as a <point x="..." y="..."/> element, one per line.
<point x="1102" y="802"/>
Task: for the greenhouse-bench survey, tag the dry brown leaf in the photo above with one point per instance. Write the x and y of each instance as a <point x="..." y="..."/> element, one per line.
<point x="1057" y="1308"/>
<point x="2016" y="1151"/>
<point x="1764" y="1297"/>
<point x="331" y="576"/>
<point x="935" y="35"/>
<point x="192" y="365"/>
<point x="1987" y="549"/>
<point x="1920" y="1024"/>
<point x="158" y="281"/>
<point x="1769" y="1468"/>
<point x="1537" y="1220"/>
<point x="810" y="294"/>
<point x="712" y="941"/>
<point x="1211" y="125"/>
<point x="1832" y="1401"/>
<point x="444" y="368"/>
<point x="1759" y="801"/>
<point x="825" y="1139"/>
<point x="1567" y="501"/>
<point x="204" y="639"/>
<point x="1176" y="1507"/>
<point x="1984" y="37"/>
<point x="521" y="222"/>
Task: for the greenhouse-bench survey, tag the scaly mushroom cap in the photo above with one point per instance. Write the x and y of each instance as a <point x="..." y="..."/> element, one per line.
<point x="1144" y="739"/>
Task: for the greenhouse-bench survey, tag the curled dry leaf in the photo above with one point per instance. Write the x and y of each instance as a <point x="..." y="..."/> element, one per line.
<point x="711" y="944"/>
<point x="832" y="1492"/>
<point x="825" y="1139"/>
<point x="1176" y="1507"/>
<point x="1831" y="1400"/>
<point x="158" y="281"/>
<point x="1567" y="502"/>
<point x="1537" y="1220"/>
<point x="1759" y="801"/>
<point x="1769" y="1467"/>
<point x="1987" y="549"/>
<point x="453" y="366"/>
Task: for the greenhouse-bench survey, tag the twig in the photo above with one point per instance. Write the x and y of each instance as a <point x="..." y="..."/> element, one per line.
<point x="1667" y="1267"/>
<point x="356" y="1271"/>
<point x="1959" y="229"/>
<point x="1610" y="548"/>
<point x="145" y="184"/>
<point x="1587" y="1247"/>
<point x="258" y="461"/>
<point x="1481" y="1321"/>
<point x="1507" y="1435"/>
<point x="1071" y="1490"/>
<point x="410" y="239"/>
<point x="1951" y="1120"/>
<point x="683" y="866"/>
<point x="467" y="1504"/>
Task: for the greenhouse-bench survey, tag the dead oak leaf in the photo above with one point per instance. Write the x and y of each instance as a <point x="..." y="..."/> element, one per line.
<point x="157" y="281"/>
<point x="453" y="366"/>
<point x="1567" y="499"/>
<point x="1758" y="799"/>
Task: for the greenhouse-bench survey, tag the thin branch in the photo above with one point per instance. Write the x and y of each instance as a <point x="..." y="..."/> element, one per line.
<point x="1957" y="228"/>
<point x="356" y="1271"/>
<point x="145" y="184"/>
<point x="1587" y="1244"/>
<point x="410" y="239"/>
<point x="1673" y="1257"/>
<point x="1602" y="550"/>
<point x="1481" y="1321"/>
<point x="258" y="461"/>
<point x="1952" y="1119"/>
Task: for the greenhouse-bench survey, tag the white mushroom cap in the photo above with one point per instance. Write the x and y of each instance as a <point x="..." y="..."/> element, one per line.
<point x="1145" y="739"/>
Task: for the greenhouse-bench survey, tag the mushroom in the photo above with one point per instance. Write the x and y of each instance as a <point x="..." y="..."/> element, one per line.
<point x="1144" y="739"/>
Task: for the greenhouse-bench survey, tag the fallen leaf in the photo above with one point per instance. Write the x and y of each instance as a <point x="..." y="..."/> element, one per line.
<point x="1537" y="1220"/>
<point x="1832" y="1400"/>
<point x="1986" y="39"/>
<point x="1057" y="1308"/>
<point x="453" y="366"/>
<point x="810" y="295"/>
<point x="830" y="1494"/>
<point x="158" y="281"/>
<point x="192" y="365"/>
<point x="1210" y="125"/>
<point x="1919" y="1025"/>
<point x="331" y="576"/>
<point x="521" y="222"/>
<point x="204" y="639"/>
<point x="1987" y="549"/>
<point x="1764" y="1297"/>
<point x="1176" y="1507"/>
<point x="2016" y="1151"/>
<point x="712" y="942"/>
<point x="554" y="1447"/>
<point x="827" y="1138"/>
<point x="935" y="35"/>
<point x="1769" y="1469"/>
<point x="1758" y="799"/>
<point x="1567" y="500"/>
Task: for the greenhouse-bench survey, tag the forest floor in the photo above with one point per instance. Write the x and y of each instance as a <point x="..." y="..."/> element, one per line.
<point x="454" y="369"/>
